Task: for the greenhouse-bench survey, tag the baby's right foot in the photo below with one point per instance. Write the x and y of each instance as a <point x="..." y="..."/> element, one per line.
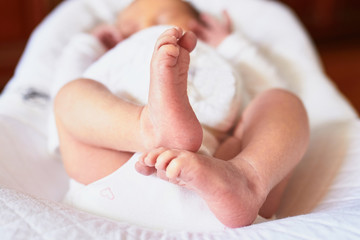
<point x="233" y="193"/>
<point x="168" y="120"/>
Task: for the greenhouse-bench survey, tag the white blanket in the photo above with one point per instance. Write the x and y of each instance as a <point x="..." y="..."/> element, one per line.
<point x="324" y="191"/>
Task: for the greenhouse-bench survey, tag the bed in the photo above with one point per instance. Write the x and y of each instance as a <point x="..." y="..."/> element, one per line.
<point x="322" y="200"/>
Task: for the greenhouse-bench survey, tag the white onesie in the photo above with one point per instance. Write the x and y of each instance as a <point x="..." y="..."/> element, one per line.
<point x="214" y="93"/>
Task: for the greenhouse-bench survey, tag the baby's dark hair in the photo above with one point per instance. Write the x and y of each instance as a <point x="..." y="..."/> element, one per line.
<point x="193" y="10"/>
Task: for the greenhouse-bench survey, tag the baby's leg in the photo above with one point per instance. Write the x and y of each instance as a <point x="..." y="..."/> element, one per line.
<point x="87" y="163"/>
<point x="274" y="135"/>
<point x="172" y="119"/>
<point x="92" y="118"/>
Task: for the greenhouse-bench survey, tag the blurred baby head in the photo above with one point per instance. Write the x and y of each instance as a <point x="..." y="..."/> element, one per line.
<point x="142" y="14"/>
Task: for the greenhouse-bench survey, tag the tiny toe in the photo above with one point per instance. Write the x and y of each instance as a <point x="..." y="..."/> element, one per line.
<point x="175" y="31"/>
<point x="149" y="159"/>
<point x="142" y="158"/>
<point x="166" y="40"/>
<point x="164" y="159"/>
<point x="143" y="169"/>
<point x="173" y="169"/>
<point x="188" y="41"/>
<point x="170" y="36"/>
<point x="167" y="49"/>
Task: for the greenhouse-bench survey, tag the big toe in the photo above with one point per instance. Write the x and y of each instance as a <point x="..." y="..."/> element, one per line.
<point x="170" y="36"/>
<point x="188" y="41"/>
<point x="167" y="49"/>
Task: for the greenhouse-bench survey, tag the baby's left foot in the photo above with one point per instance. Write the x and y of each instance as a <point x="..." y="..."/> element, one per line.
<point x="231" y="192"/>
<point x="168" y="119"/>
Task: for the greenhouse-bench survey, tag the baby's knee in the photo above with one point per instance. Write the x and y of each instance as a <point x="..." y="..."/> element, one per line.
<point x="292" y="106"/>
<point x="283" y="97"/>
<point x="65" y="96"/>
<point x="279" y="93"/>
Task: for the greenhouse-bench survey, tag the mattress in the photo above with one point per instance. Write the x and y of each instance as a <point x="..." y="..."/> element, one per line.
<point x="322" y="200"/>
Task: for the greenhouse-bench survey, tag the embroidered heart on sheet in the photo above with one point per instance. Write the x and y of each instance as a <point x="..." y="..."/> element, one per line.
<point x="107" y="193"/>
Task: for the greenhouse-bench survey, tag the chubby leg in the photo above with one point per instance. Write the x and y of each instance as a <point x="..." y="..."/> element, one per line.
<point x="92" y="118"/>
<point x="274" y="135"/>
<point x="87" y="163"/>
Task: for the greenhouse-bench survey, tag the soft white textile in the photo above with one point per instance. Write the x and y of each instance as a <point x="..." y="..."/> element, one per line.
<point x="25" y="216"/>
<point x="326" y="184"/>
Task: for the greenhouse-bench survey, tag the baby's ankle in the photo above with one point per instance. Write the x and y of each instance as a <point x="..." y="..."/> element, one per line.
<point x="255" y="183"/>
<point x="172" y="137"/>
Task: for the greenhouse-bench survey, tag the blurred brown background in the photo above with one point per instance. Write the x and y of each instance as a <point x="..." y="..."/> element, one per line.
<point x="333" y="24"/>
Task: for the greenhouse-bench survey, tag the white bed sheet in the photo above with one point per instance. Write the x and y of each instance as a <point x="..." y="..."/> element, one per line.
<point x="35" y="216"/>
<point x="325" y="189"/>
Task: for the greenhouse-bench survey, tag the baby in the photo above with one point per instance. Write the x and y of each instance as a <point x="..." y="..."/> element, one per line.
<point x="248" y="172"/>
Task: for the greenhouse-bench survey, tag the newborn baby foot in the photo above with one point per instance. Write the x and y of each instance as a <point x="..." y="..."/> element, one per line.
<point x="230" y="191"/>
<point x="168" y="120"/>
